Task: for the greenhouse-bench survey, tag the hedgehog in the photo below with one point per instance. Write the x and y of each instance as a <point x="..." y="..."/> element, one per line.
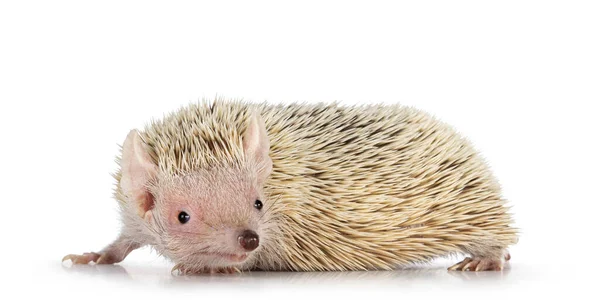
<point x="227" y="186"/>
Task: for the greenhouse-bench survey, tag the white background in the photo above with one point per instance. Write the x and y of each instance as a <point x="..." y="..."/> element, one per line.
<point x="521" y="79"/>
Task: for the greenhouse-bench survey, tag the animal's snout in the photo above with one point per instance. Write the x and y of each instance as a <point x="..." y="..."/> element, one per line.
<point x="248" y="240"/>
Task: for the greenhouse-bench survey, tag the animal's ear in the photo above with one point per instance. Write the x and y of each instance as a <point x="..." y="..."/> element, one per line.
<point x="137" y="169"/>
<point x="256" y="145"/>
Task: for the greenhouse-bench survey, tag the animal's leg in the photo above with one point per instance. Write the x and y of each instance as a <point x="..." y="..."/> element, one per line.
<point x="482" y="263"/>
<point x="111" y="254"/>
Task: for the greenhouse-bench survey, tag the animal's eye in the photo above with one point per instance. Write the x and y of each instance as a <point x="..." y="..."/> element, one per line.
<point x="183" y="217"/>
<point x="258" y="204"/>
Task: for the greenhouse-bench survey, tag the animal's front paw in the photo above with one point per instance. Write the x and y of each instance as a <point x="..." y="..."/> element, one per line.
<point x="181" y="269"/>
<point x="82" y="259"/>
<point x="88" y="257"/>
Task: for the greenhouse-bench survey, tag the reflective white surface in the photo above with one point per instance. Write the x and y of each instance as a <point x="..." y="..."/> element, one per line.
<point x="154" y="280"/>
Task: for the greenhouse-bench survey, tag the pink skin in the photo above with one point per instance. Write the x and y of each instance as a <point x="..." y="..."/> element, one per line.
<point x="220" y="205"/>
<point x="224" y="231"/>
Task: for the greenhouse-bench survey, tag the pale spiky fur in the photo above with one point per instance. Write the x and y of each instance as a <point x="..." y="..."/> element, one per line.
<point x="352" y="188"/>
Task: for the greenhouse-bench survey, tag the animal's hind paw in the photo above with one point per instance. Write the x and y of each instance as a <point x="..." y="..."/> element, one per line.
<point x="480" y="264"/>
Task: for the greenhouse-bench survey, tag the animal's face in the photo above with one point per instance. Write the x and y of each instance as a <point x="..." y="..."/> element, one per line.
<point x="212" y="218"/>
<point x="206" y="219"/>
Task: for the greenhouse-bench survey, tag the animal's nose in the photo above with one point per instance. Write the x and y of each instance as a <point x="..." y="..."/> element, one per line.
<point x="248" y="240"/>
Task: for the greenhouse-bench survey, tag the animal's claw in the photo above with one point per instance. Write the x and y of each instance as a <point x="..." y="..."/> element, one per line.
<point x="460" y="266"/>
<point x="90" y="257"/>
<point x="82" y="259"/>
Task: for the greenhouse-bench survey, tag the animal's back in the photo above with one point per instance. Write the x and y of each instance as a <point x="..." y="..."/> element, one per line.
<point x="373" y="187"/>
